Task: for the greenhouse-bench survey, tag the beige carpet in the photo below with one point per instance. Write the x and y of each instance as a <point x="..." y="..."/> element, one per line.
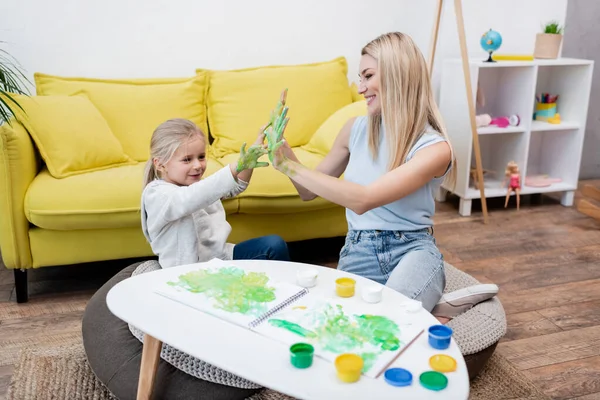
<point x="56" y="371"/>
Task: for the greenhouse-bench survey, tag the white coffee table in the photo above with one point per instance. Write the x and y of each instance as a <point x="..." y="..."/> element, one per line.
<point x="262" y="360"/>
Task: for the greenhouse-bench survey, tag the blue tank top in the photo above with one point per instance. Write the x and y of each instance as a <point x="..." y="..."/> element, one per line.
<point x="412" y="212"/>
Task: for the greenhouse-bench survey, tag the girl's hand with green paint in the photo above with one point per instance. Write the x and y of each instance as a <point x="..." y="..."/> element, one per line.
<point x="248" y="159"/>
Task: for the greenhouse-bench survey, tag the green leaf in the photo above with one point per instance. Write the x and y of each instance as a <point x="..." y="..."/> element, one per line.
<point x="12" y="80"/>
<point x="553" y="27"/>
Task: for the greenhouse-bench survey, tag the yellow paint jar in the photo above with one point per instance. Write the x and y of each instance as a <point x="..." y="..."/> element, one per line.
<point x="344" y="287"/>
<point x="349" y="367"/>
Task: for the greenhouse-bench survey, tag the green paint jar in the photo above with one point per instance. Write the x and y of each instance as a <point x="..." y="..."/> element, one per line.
<point x="301" y="355"/>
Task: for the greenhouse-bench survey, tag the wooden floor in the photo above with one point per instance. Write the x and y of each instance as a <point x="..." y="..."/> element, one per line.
<point x="545" y="258"/>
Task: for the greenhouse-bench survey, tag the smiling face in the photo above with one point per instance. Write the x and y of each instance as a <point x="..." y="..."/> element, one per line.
<point x="369" y="84"/>
<point x="187" y="164"/>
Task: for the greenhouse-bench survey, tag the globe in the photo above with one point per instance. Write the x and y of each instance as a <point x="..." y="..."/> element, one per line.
<point x="490" y="42"/>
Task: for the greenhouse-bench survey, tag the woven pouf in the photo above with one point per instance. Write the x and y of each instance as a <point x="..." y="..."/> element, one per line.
<point x="478" y="330"/>
<point x="114" y="355"/>
<point x="183" y="361"/>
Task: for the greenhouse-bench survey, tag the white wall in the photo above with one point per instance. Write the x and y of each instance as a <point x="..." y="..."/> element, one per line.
<point x="158" y="38"/>
<point x="581" y="41"/>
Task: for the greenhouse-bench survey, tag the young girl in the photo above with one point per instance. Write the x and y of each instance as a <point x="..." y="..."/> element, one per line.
<point x="183" y="218"/>
<point x="393" y="160"/>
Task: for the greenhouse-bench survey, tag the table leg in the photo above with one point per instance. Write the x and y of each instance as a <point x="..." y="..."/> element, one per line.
<point x="150" y="358"/>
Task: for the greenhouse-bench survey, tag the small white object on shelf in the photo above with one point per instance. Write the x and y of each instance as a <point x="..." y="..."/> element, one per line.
<point x="538" y="147"/>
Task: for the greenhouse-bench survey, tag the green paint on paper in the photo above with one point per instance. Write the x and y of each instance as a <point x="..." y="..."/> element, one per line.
<point x="292" y="327"/>
<point x="232" y="289"/>
<point x="336" y="332"/>
<point x="368" y="360"/>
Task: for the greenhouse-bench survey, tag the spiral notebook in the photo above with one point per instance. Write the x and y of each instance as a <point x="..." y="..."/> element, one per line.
<point x="222" y="289"/>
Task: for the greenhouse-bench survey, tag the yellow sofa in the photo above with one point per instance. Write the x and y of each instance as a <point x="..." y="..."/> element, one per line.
<point x="71" y="167"/>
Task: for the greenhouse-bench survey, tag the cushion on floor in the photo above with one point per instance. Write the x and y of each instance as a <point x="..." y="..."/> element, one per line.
<point x="478" y="330"/>
<point x="114" y="355"/>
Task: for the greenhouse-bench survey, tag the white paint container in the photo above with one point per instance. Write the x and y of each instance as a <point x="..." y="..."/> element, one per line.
<point x="307" y="277"/>
<point x="372" y="293"/>
<point x="412" y="306"/>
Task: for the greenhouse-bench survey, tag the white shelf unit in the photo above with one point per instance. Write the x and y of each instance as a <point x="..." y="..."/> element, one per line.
<point x="539" y="148"/>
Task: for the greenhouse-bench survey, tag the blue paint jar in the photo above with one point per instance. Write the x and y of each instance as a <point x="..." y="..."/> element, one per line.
<point x="439" y="336"/>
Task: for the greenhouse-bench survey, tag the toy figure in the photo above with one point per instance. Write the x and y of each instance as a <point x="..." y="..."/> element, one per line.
<point x="514" y="184"/>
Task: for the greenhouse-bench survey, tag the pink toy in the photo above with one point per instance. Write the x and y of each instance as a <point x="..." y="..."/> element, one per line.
<point x="503" y="122"/>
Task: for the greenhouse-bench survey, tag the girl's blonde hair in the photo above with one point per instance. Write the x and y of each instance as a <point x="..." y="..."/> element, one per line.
<point x="165" y="141"/>
<point x="406" y="96"/>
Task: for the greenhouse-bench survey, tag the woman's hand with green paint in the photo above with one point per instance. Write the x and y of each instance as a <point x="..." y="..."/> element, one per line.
<point x="276" y="126"/>
<point x="281" y="162"/>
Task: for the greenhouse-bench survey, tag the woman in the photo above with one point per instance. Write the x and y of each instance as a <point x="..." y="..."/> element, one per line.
<point x="393" y="160"/>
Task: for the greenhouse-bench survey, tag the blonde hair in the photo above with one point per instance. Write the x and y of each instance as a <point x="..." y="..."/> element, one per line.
<point x="165" y="141"/>
<point x="406" y="96"/>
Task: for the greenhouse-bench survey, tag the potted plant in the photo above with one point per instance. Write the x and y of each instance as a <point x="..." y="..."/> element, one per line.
<point x="547" y="43"/>
<point x="12" y="80"/>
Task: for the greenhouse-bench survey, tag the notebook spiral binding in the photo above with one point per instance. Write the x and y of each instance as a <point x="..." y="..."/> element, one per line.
<point x="277" y="308"/>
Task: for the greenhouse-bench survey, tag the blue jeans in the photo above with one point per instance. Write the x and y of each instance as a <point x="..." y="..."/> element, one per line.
<point x="408" y="262"/>
<point x="270" y="247"/>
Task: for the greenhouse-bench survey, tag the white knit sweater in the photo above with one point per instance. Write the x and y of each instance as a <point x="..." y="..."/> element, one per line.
<point x="187" y="224"/>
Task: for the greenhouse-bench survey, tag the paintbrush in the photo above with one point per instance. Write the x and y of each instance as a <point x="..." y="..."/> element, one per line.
<point x="399" y="353"/>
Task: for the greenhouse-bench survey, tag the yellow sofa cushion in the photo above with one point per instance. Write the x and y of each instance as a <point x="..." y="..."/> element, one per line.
<point x="97" y="200"/>
<point x="70" y="134"/>
<point x="271" y="192"/>
<point x="134" y="108"/>
<point x="240" y="101"/>
<point x="324" y="137"/>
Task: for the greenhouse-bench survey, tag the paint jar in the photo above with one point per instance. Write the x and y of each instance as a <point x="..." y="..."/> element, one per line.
<point x="349" y="367"/>
<point x="372" y="293"/>
<point x="307" y="277"/>
<point x="439" y="336"/>
<point x="344" y="287"/>
<point x="433" y="380"/>
<point x="414" y="306"/>
<point x="301" y="355"/>
<point x="442" y="363"/>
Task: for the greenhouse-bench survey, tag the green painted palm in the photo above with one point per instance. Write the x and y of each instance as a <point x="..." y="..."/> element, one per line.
<point x="12" y="80"/>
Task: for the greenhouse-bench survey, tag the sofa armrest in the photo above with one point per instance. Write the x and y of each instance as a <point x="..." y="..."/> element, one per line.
<point x="18" y="166"/>
<point x="323" y="138"/>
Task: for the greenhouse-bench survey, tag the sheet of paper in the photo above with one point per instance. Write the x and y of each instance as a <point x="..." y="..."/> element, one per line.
<point x="334" y="328"/>
<point x="225" y="290"/>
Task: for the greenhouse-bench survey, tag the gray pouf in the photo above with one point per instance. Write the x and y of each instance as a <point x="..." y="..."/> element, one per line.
<point x="183" y="361"/>
<point x="114" y="355"/>
<point x="477" y="331"/>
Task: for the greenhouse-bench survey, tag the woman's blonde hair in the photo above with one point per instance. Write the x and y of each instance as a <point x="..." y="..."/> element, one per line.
<point x="165" y="141"/>
<point x="406" y="96"/>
